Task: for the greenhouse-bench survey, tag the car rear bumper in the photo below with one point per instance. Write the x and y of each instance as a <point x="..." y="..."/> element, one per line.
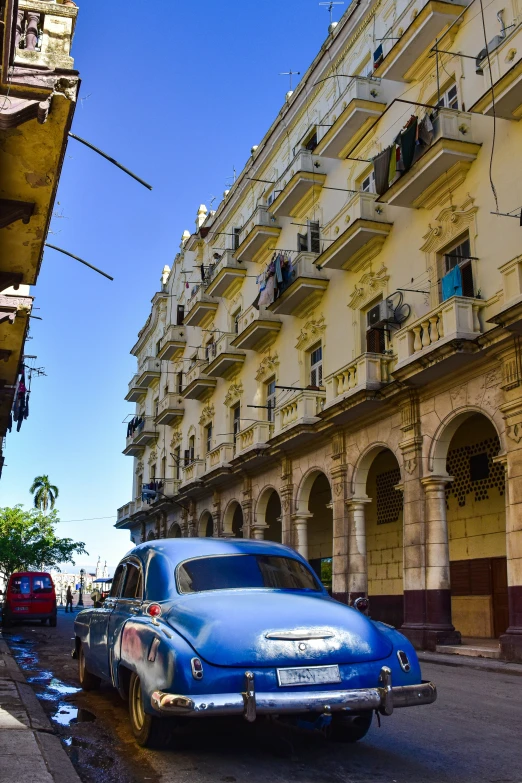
<point x="383" y="698"/>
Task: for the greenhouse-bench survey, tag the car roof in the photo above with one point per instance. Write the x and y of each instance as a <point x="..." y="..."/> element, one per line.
<point x="179" y="549"/>
<point x="30" y="573"/>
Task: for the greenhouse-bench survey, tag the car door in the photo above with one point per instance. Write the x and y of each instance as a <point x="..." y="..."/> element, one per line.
<point x="98" y="648"/>
<point x="127" y="606"/>
<point x="19" y="596"/>
<point x="43" y="594"/>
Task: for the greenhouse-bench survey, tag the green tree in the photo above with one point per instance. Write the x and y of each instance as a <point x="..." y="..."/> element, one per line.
<point x="28" y="541"/>
<point x="44" y="492"/>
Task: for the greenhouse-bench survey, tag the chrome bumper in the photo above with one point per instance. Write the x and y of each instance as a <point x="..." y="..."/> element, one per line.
<point x="383" y="698"/>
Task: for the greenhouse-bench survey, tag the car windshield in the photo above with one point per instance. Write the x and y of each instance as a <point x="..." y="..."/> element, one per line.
<point x="228" y="572"/>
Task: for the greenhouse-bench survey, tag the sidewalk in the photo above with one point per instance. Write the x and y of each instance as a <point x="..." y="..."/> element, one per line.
<point x="471" y="662"/>
<point x="29" y="750"/>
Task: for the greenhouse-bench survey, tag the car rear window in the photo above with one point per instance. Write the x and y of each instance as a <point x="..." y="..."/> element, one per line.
<point x="21" y="584"/>
<point x="42" y="584"/>
<point x="228" y="572"/>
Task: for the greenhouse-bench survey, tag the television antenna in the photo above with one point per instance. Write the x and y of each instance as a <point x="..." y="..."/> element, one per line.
<point x="330" y="6"/>
<point x="290" y="73"/>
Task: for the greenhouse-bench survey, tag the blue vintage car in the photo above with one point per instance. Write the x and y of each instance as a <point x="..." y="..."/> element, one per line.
<point x="203" y="627"/>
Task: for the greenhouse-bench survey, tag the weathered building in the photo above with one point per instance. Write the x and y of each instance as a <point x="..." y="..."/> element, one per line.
<point x="38" y="89"/>
<point x="334" y="358"/>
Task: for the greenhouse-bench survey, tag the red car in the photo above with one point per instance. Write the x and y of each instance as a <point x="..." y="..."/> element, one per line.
<point x="30" y="595"/>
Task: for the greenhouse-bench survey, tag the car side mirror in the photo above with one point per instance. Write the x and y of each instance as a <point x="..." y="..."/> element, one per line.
<point x="362" y="605"/>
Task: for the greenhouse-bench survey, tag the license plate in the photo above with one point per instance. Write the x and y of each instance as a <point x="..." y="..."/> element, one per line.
<point x="21" y="608"/>
<point x="309" y="675"/>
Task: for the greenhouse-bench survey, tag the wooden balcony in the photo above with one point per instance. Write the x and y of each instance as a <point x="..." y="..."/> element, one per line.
<point x="298" y="186"/>
<point x="305" y="289"/>
<point x="506" y="70"/>
<point x="227" y="358"/>
<point x="258" y="237"/>
<point x="219" y="458"/>
<point x="257" y="329"/>
<point x="201" y="308"/>
<point x="350" y="117"/>
<point x="170" y="409"/>
<point x="441" y="168"/>
<point x="302" y="409"/>
<point x="225" y="278"/>
<point x="173" y="343"/>
<point x="367" y="232"/>
<point x="439" y="342"/>
<point x="44" y="33"/>
<point x="400" y="63"/>
<point x="135" y="392"/>
<point x="354" y="383"/>
<point x="149" y="371"/>
<point x="198" y="385"/>
<point x="143" y="436"/>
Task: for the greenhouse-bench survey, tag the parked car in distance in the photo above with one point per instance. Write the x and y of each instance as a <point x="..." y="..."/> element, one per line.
<point x="198" y="627"/>
<point x="30" y="595"/>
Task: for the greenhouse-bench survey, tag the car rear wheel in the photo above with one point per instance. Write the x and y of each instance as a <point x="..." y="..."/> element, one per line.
<point x="43" y="620"/>
<point x="88" y="681"/>
<point x="52" y="621"/>
<point x="6" y="620"/>
<point x="150" y="731"/>
<point x="349" y="728"/>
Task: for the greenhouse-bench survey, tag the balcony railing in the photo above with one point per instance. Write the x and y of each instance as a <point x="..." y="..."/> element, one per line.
<point x="358" y="106"/>
<point x="144" y="434"/>
<point x="194" y="471"/>
<point x="510" y="313"/>
<point x="201" y="307"/>
<point x="225" y="277"/>
<point x="443" y="331"/>
<point x="259" y="236"/>
<point x="400" y="62"/>
<point x="506" y="74"/>
<point x="257" y="329"/>
<point x="254" y="436"/>
<point x="44" y="32"/>
<point x="199" y="385"/>
<point x="299" y="185"/>
<point x="301" y="409"/>
<point x="367" y="231"/>
<point x="173" y="342"/>
<point x="441" y="167"/>
<point x="148" y="371"/>
<point x="304" y="287"/>
<point x="226" y="357"/>
<point x="368" y="372"/>
<point x="125" y="512"/>
<point x="135" y="391"/>
<point x="170" y="408"/>
<point x="219" y="457"/>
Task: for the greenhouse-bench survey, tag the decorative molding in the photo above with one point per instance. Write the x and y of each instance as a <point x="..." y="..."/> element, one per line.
<point x="452" y="221"/>
<point x="311" y="332"/>
<point x="369" y="285"/>
<point x="153" y="456"/>
<point x="176" y="439"/>
<point x="235" y="390"/>
<point x="139" y="467"/>
<point x="16" y="111"/>
<point x="410" y="465"/>
<point x="207" y="414"/>
<point x="11" y="210"/>
<point x="267" y="367"/>
<point x="512" y="413"/>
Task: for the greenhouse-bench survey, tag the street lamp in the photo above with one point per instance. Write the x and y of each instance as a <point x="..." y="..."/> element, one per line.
<point x="80" y="599"/>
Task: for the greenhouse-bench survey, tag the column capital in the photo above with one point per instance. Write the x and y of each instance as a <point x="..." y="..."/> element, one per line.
<point x="304" y="517"/>
<point x="353" y="502"/>
<point x="433" y="482"/>
<point x="411" y="444"/>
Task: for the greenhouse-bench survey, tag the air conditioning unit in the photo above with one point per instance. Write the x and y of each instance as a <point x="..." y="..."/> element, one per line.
<point x="382" y="313"/>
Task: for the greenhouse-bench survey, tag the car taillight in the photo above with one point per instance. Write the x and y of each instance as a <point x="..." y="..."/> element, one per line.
<point x="154" y="610"/>
<point x="197" y="668"/>
<point x="403" y="660"/>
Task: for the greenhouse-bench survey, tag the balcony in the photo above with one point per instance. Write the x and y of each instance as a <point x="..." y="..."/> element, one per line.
<point x="124" y="514"/>
<point x="258" y="237"/>
<point x="510" y="314"/>
<point x="225" y="277"/>
<point x="44" y="32"/>
<point x="303" y="409"/>
<point x="367" y="232"/>
<point x="305" y="289"/>
<point x="257" y="329"/>
<point x="506" y="70"/>
<point x="192" y="473"/>
<point x="171" y="487"/>
<point x="170" y="408"/>
<point x="219" y="457"/>
<point x="351" y="116"/>
<point x="440" y="342"/>
<point x="149" y="371"/>
<point x="367" y="373"/>
<point x="201" y="308"/>
<point x="144" y="434"/>
<point x="254" y="437"/>
<point x="198" y="385"/>
<point x="135" y="392"/>
<point x="400" y="63"/>
<point x="441" y="168"/>
<point x="227" y="359"/>
<point x="298" y="187"/>
<point x="173" y="343"/>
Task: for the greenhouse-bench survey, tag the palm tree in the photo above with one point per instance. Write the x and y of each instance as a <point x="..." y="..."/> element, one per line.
<point x="45" y="493"/>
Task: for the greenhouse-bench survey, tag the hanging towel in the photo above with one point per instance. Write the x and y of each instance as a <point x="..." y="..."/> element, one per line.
<point x="393" y="166"/>
<point x="426" y="130"/>
<point x="452" y="283"/>
<point x="378" y="56"/>
<point x="278" y="271"/>
<point x="381" y="167"/>
<point x="408" y="137"/>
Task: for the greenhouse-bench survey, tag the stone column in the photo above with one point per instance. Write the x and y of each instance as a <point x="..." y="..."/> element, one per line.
<point x="31" y="30"/>
<point x="439" y="628"/>
<point x="258" y="532"/>
<point x="19" y="27"/>
<point x="301" y="533"/>
<point x="357" y="564"/>
<point x="216" y="514"/>
<point x="286" y="493"/>
<point x="340" y="516"/>
<point x="511" y="641"/>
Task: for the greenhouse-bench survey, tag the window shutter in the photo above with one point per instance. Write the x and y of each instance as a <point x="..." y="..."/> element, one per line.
<point x="313" y="378"/>
<point x="180" y="315"/>
<point x="320" y="375"/>
<point x="468" y="288"/>
<point x="314" y="245"/>
<point x="375" y="342"/>
<point x="186" y="456"/>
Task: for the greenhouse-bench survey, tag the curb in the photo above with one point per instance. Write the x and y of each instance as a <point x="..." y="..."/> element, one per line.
<point x="470" y="662"/>
<point x="57" y="761"/>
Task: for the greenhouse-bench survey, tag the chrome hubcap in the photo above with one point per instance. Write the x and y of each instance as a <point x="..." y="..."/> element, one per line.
<point x="137" y="703"/>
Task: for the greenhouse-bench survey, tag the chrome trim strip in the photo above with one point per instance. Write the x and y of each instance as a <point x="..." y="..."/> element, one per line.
<point x="296" y="636"/>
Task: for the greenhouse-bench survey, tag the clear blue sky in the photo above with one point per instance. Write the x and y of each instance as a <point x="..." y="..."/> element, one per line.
<point x="178" y="92"/>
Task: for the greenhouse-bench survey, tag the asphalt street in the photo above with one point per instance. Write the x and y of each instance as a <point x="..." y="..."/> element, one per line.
<point x="472" y="734"/>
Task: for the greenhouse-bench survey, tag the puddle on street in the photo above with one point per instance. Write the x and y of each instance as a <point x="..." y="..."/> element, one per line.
<point x="68" y="715"/>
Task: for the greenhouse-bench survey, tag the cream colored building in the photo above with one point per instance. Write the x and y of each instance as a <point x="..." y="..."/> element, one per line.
<point x="367" y="408"/>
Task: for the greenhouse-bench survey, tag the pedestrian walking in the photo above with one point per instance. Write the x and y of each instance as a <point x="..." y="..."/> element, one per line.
<point x="69" y="599"/>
